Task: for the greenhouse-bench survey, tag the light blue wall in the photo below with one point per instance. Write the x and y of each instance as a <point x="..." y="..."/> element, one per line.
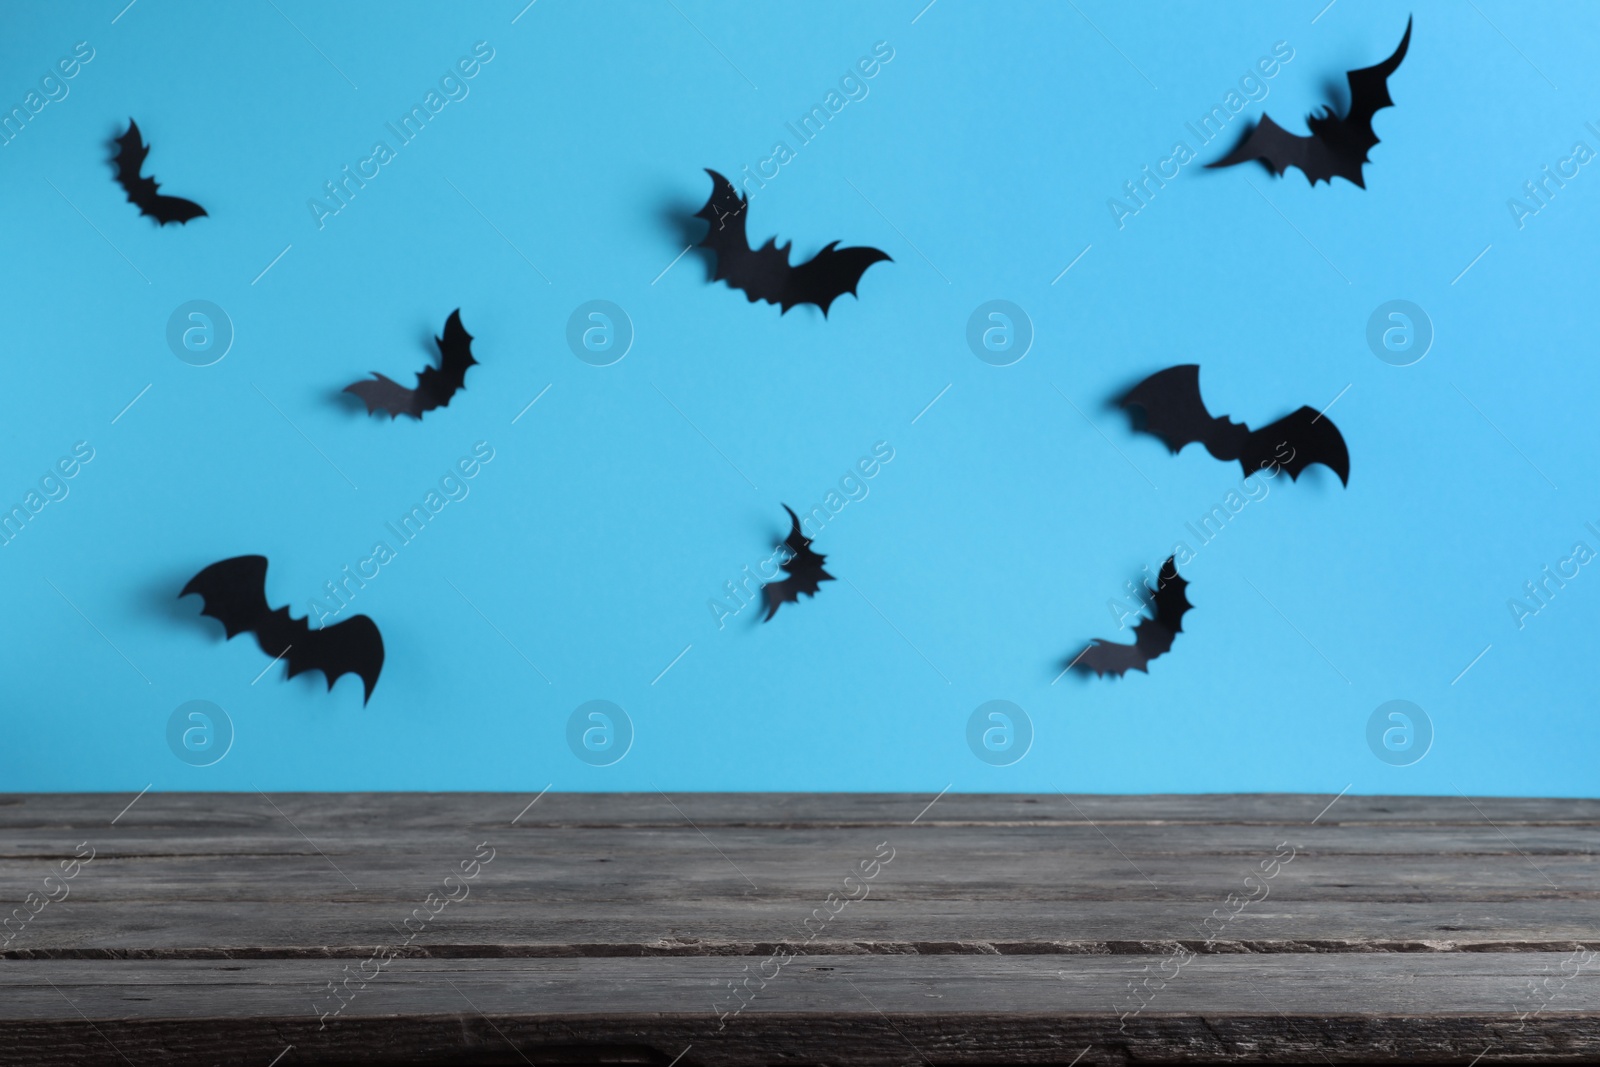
<point x="584" y="557"/>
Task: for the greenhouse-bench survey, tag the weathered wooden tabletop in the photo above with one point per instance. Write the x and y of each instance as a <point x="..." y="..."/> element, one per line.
<point x="747" y="929"/>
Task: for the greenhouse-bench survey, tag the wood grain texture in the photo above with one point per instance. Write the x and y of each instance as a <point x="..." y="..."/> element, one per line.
<point x="610" y="928"/>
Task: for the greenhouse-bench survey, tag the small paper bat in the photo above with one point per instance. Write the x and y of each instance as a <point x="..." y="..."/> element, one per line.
<point x="1174" y="412"/>
<point x="1152" y="637"/>
<point x="142" y="191"/>
<point x="435" y="385"/>
<point x="1337" y="146"/>
<point x="804" y="568"/>
<point x="765" y="274"/>
<point x="234" y="592"/>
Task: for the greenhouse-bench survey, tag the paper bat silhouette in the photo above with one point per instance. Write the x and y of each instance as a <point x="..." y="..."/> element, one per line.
<point x="1337" y="146"/>
<point x="804" y="568"/>
<point x="142" y="191"/>
<point x="1152" y="637"/>
<point x="234" y="593"/>
<point x="1174" y="412"/>
<point x="765" y="273"/>
<point x="435" y="385"/>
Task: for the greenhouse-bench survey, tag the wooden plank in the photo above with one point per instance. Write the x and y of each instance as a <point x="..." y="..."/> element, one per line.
<point x="869" y="1010"/>
<point x="928" y="865"/>
<point x="1135" y="882"/>
<point x="1472" y="983"/>
<point x="1004" y="929"/>
<point x="491" y="927"/>
<point x="580" y="810"/>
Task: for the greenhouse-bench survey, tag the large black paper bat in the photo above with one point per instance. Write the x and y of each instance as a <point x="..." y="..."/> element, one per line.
<point x="804" y="569"/>
<point x="1174" y="412"/>
<point x="435" y="385"/>
<point x="235" y="593"/>
<point x="1152" y="637"/>
<point x="142" y="191"/>
<point x="764" y="273"/>
<point x="1337" y="146"/>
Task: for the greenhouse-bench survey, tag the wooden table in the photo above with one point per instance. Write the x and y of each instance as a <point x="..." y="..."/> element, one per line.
<point x="743" y="929"/>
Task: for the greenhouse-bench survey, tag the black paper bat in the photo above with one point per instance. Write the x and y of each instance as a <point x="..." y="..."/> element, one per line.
<point x="804" y="569"/>
<point x="1337" y="146"/>
<point x="1174" y="412"/>
<point x="764" y="273"/>
<point x="435" y="385"/>
<point x="1152" y="637"/>
<point x="235" y="593"/>
<point x="142" y="191"/>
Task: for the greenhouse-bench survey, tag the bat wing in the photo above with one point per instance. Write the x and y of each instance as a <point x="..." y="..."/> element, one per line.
<point x="1279" y="150"/>
<point x="141" y="190"/>
<point x="1174" y="411"/>
<point x="1171" y="600"/>
<point x="828" y="275"/>
<point x="1109" y="657"/>
<point x="386" y="395"/>
<point x="233" y="592"/>
<point x="131" y="153"/>
<point x="725" y="214"/>
<point x="1369" y="86"/>
<point x="1151" y="638"/>
<point x="165" y="209"/>
<point x="1309" y="437"/>
<point x="130" y="156"/>
<point x="804" y="568"/>
<point x="1349" y="139"/>
<point x="354" y="646"/>
<point x="436" y="385"/>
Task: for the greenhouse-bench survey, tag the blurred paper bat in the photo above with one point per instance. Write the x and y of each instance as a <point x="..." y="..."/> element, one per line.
<point x="1337" y="146"/>
<point x="804" y="568"/>
<point x="1152" y="637"/>
<point x="764" y="273"/>
<point x="435" y="385"/>
<point x="234" y="593"/>
<point x="142" y="191"/>
<point x="1174" y="412"/>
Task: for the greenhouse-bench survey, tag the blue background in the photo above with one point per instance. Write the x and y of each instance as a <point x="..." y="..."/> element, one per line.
<point x="583" y="560"/>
